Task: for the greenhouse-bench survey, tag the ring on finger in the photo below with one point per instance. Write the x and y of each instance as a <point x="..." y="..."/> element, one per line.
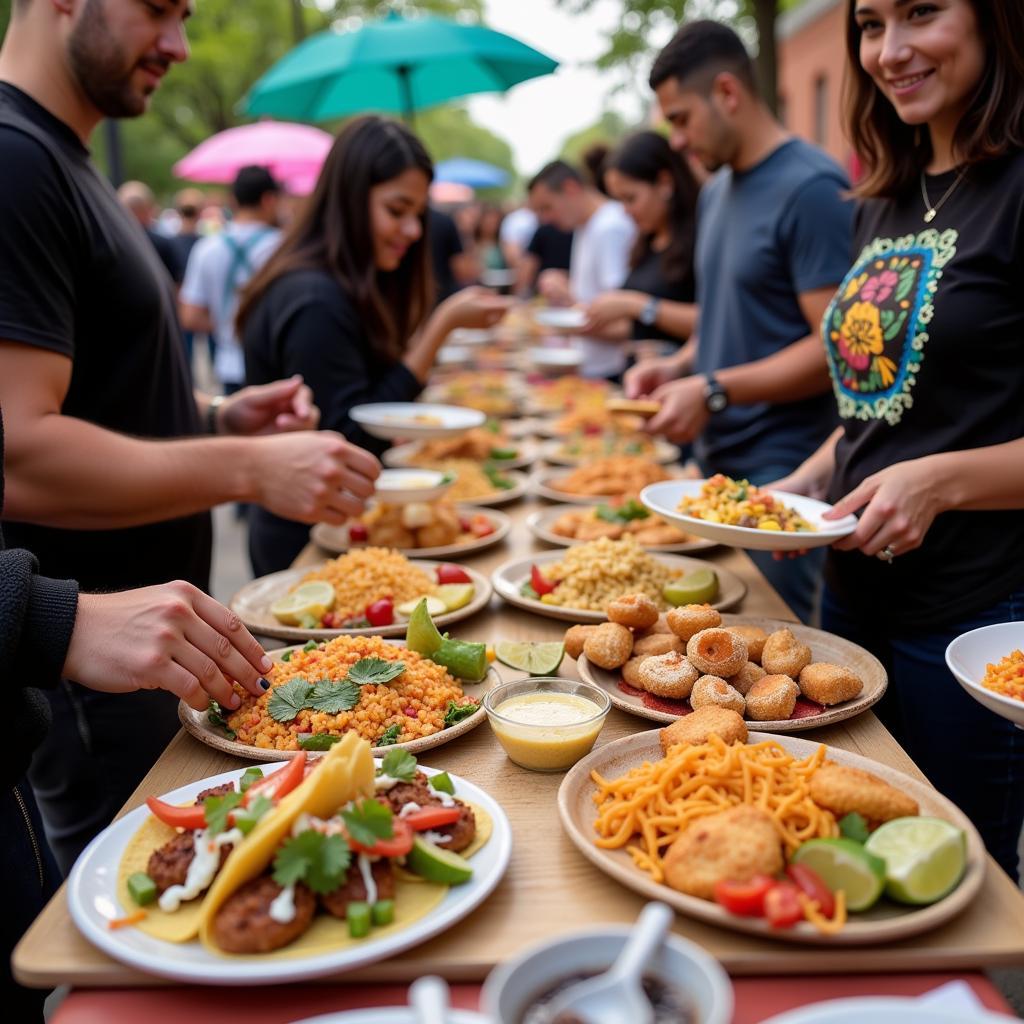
<point x="887" y="554"/>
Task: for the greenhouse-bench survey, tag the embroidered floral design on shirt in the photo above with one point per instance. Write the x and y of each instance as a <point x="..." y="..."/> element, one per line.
<point x="875" y="328"/>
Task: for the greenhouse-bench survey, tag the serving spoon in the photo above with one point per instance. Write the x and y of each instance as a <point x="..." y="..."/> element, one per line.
<point x="618" y="995"/>
<point x="429" y="1000"/>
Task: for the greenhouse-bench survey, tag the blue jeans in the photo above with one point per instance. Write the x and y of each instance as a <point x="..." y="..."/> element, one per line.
<point x="970" y="755"/>
<point x="796" y="580"/>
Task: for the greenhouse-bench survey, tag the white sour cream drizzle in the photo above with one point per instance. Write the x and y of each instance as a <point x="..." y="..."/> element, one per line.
<point x="437" y="838"/>
<point x="384" y="782"/>
<point x="202" y="868"/>
<point x="366" y="870"/>
<point x="447" y="800"/>
<point x="282" y="907"/>
<point x="410" y="808"/>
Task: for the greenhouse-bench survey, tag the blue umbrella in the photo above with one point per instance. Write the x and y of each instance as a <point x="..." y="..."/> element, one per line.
<point x="474" y="173"/>
<point x="396" y="65"/>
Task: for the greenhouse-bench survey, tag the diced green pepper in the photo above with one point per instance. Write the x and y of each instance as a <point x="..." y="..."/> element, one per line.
<point x="249" y="776"/>
<point x="442" y="783"/>
<point x="287" y="656"/>
<point x="358" y="915"/>
<point x="310" y="645"/>
<point x="382" y="912"/>
<point x="141" y="888"/>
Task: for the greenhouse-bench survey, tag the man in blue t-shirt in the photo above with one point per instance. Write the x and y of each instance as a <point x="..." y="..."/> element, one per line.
<point x="751" y="389"/>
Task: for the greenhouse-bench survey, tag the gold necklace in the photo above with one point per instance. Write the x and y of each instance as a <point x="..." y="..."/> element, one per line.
<point x="932" y="211"/>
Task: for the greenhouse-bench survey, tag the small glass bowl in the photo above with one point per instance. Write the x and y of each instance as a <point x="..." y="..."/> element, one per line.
<point x="546" y="747"/>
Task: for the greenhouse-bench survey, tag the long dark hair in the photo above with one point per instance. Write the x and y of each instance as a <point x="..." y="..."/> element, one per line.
<point x="644" y="157"/>
<point x="894" y="153"/>
<point x="333" y="233"/>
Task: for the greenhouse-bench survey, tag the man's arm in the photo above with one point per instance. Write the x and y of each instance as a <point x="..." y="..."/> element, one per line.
<point x="195" y="318"/>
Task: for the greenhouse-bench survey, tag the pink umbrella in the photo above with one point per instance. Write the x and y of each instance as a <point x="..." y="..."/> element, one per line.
<point x="450" y="192"/>
<point x="293" y="153"/>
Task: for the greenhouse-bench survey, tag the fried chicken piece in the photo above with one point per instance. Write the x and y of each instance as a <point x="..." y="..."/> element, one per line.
<point x="717" y="652"/>
<point x="566" y="525"/>
<point x="754" y="637"/>
<point x="595" y="529"/>
<point x="575" y="636"/>
<point x="730" y="846"/>
<point x="668" y="675"/>
<point x="653" y="534"/>
<point x="658" y="643"/>
<point x="609" y="646"/>
<point x="635" y="611"/>
<point x="697" y="728"/>
<point x="747" y="676"/>
<point x="842" y="790"/>
<point x="829" y="684"/>
<point x="710" y="691"/>
<point x="772" y="699"/>
<point x="784" y="655"/>
<point x="243" y="923"/>
<point x="689" y="619"/>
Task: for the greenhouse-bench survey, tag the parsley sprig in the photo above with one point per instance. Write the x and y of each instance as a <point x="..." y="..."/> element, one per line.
<point x="328" y="695"/>
<point x="455" y="713"/>
<point x="389" y="736"/>
<point x="217" y="810"/>
<point x="398" y="764"/>
<point x="369" y="671"/>
<point x="368" y="821"/>
<point x="311" y="857"/>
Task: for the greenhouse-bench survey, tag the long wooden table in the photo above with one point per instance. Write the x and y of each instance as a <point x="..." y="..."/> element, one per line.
<point x="549" y="887"/>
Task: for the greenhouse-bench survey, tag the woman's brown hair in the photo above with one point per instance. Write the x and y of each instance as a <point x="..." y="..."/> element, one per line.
<point x="895" y="153"/>
<point x="333" y="232"/>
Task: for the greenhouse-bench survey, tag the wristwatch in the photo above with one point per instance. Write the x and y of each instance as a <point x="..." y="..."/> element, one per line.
<point x="649" y="313"/>
<point x="716" y="398"/>
<point x="211" y="413"/>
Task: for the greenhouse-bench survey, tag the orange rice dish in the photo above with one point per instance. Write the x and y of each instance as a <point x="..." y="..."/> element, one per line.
<point x="1007" y="677"/>
<point x="415" y="701"/>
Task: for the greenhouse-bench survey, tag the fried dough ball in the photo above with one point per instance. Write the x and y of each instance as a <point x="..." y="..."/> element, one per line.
<point x="829" y="684"/>
<point x="843" y="790"/>
<point x="717" y="652"/>
<point x="668" y="675"/>
<point x="710" y="690"/>
<point x="772" y="699"/>
<point x="609" y="646"/>
<point x="659" y="628"/>
<point x="754" y="637"/>
<point x="747" y="676"/>
<point x="631" y="673"/>
<point x="784" y="655"/>
<point x="689" y="619"/>
<point x="695" y="729"/>
<point x="575" y="636"/>
<point x="732" y="845"/>
<point x="657" y="643"/>
<point x="637" y="611"/>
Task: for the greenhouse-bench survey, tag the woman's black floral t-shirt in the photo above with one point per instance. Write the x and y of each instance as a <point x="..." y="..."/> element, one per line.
<point x="925" y="343"/>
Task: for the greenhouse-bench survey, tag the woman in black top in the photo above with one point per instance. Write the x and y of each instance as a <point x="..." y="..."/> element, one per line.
<point x="346" y="299"/>
<point x="924" y="341"/>
<point x="658" y="190"/>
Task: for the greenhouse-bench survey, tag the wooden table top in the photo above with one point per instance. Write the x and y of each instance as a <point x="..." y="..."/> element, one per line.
<point x="549" y="887"/>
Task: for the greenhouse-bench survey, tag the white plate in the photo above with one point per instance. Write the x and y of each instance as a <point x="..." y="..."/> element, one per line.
<point x="498" y="278"/>
<point x="969" y="655"/>
<point x="393" y="420"/>
<point x="335" y="539"/>
<point x="528" y="453"/>
<point x="560" y="360"/>
<point x="520" y="485"/>
<point x="664" y="498"/>
<point x="883" y="1010"/>
<point x="541" y="484"/>
<point x="665" y="453"/>
<point x="392" y="1015"/>
<point x="471" y="336"/>
<point x="92" y="901"/>
<point x="508" y="580"/>
<point x="560" y="318"/>
<point x="403" y="486"/>
<point x="454" y="356"/>
<point x="540" y="522"/>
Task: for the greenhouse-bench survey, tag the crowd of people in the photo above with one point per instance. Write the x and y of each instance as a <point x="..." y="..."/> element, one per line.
<point x="850" y="340"/>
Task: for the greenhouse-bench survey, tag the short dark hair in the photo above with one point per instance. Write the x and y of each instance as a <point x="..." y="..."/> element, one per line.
<point x="252" y="184"/>
<point x="700" y="51"/>
<point x="555" y="175"/>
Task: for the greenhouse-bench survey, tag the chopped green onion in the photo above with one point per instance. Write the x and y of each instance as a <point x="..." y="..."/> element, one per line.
<point x="358" y="915"/>
<point x="382" y="912"/>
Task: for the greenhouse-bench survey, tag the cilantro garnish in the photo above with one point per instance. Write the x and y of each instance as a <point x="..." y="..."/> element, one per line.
<point x="218" y="808"/>
<point x="318" y="741"/>
<point x="311" y="857"/>
<point x="249" y="776"/>
<point x="216" y="717"/>
<point x="367" y="671"/>
<point x="287" y="656"/>
<point x="398" y="764"/>
<point x="310" y="645"/>
<point x="457" y="712"/>
<point x="853" y="826"/>
<point x="389" y="736"/>
<point x="368" y="821"/>
<point x="288" y="700"/>
<point x="331" y="697"/>
<point x="247" y="818"/>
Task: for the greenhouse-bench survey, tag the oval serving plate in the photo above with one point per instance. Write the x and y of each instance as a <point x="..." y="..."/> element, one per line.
<point x="402" y="456"/>
<point x="509" y="578"/>
<point x="520" y="487"/>
<point x="541" y="483"/>
<point x="393" y="420"/>
<point x="551" y="451"/>
<point x="885" y="922"/>
<point x="252" y="605"/>
<point x="335" y="540"/>
<point x="824" y="647"/>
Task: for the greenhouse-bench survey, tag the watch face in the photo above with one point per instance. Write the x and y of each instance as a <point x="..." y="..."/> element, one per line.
<point x="717" y="401"/>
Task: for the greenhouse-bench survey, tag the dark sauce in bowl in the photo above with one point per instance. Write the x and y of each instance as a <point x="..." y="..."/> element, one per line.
<point x="670" y="1004"/>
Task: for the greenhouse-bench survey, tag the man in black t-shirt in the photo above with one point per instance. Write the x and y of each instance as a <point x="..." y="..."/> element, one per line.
<point x="91" y="369"/>
<point x="549" y="249"/>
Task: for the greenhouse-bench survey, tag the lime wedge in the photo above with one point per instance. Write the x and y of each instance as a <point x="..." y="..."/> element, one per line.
<point x="435" y="606"/>
<point x="845" y="864"/>
<point x="694" y="588"/>
<point x="539" y="659"/>
<point x="308" y="599"/>
<point x="925" y="858"/>
<point x="455" y="595"/>
<point x="421" y="635"/>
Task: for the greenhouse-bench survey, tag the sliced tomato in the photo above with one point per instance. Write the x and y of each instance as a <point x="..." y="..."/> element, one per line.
<point x="782" y="905"/>
<point x="398" y="845"/>
<point x="357" y="533"/>
<point x="449" y="573"/>
<point x="431" y="817"/>
<point x="481" y="526"/>
<point x="812" y="885"/>
<point x="277" y="784"/>
<point x="191" y="817"/>
<point x="537" y="580"/>
<point x="744" y="898"/>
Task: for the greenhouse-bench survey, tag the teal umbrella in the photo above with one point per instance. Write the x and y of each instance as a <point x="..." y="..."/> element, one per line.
<point x="397" y="65"/>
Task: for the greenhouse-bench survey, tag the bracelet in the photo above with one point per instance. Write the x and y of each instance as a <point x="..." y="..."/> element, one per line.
<point x="211" y="413"/>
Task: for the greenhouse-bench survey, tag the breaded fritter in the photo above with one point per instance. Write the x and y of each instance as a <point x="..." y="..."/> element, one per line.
<point x="843" y="790"/>
<point x="829" y="684"/>
<point x="784" y="655"/>
<point x="575" y="636"/>
<point x="710" y="691"/>
<point x="747" y="676"/>
<point x="730" y="846"/>
<point x="658" y="643"/>
<point x="609" y="646"/>
<point x="772" y="699"/>
<point x="630" y="673"/>
<point x="696" y="728"/>
<point x="667" y="675"/>
<point x="690" y="619"/>
<point x="717" y="652"/>
<point x="636" y="611"/>
<point x="754" y="637"/>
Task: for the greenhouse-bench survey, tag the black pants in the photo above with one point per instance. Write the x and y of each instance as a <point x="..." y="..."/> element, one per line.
<point x="97" y="751"/>
<point x="30" y="879"/>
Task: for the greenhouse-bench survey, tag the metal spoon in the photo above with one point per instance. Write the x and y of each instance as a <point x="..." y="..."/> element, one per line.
<point x="429" y="1000"/>
<point x="618" y="995"/>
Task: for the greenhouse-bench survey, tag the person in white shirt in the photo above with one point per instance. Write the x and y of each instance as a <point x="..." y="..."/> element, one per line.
<point x="602" y="239"/>
<point x="220" y="265"/>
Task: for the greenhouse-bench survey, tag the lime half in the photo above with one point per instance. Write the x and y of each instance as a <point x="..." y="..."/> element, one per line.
<point x="925" y="858"/>
<point x="308" y="599"/>
<point x="422" y="635"/>
<point x="845" y="864"/>
<point x="694" y="588"/>
<point x="539" y="659"/>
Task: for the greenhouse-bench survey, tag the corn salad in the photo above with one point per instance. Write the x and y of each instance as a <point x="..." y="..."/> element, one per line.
<point x="739" y="503"/>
